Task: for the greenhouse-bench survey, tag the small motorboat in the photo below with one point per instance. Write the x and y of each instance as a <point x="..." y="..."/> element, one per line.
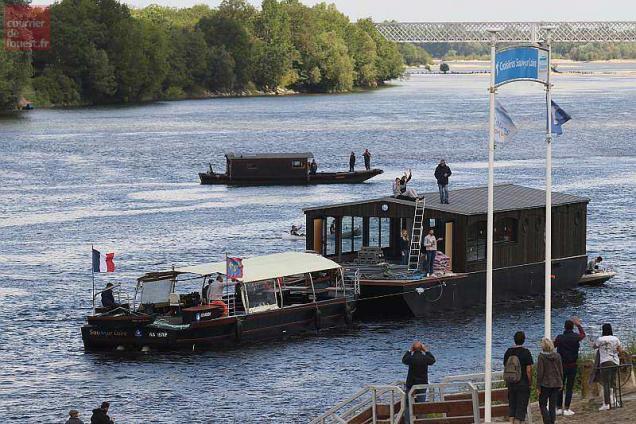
<point x="294" y="237"/>
<point x="347" y="233"/>
<point x="596" y="278"/>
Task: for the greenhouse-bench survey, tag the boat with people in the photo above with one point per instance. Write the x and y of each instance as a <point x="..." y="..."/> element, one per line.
<point x="279" y="169"/>
<point x="393" y="282"/>
<point x="274" y="297"/>
<point x="597" y="278"/>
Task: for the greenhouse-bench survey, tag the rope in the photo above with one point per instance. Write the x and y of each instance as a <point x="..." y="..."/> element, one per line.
<point x="422" y="291"/>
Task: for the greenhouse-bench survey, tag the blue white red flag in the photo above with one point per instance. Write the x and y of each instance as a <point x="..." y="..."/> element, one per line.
<point x="103" y="262"/>
<point x="559" y="117"/>
<point x="234" y="268"/>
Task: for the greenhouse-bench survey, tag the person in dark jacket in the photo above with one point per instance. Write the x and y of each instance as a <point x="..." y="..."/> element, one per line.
<point x="549" y="380"/>
<point x="367" y="159"/>
<point x="352" y="162"/>
<point x="100" y="415"/>
<point x="567" y="345"/>
<point x="405" y="247"/>
<point x="418" y="360"/>
<point x="74" y="417"/>
<point x="442" y="172"/>
<point x="519" y="392"/>
<point x="108" y="300"/>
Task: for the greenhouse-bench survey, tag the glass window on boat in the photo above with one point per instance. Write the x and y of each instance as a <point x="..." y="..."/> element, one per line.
<point x="476" y="242"/>
<point x="379" y="232"/>
<point x="297" y="163"/>
<point x="385" y="232"/>
<point x="346" y="241"/>
<point x="357" y="233"/>
<point x="261" y="295"/>
<point x="331" y="236"/>
<point x="505" y="230"/>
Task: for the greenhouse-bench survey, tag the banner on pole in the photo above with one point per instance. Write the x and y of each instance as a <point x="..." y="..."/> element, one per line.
<point x="505" y="128"/>
<point x="521" y="63"/>
<point x="234" y="268"/>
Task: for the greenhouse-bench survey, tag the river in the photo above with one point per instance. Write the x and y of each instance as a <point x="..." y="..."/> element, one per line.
<point x="124" y="179"/>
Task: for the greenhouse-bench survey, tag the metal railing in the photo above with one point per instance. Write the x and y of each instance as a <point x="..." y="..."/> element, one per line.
<point x="368" y="399"/>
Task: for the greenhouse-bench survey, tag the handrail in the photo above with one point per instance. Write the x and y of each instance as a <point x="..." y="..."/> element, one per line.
<point x="376" y="391"/>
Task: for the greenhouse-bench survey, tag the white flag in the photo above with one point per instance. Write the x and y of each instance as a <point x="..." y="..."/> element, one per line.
<point x="504" y="127"/>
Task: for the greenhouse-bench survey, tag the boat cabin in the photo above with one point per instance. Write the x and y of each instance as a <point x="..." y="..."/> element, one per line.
<point x="270" y="166"/>
<point x="340" y="231"/>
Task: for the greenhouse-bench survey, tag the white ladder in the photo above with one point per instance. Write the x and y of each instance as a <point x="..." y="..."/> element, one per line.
<point x="416" y="235"/>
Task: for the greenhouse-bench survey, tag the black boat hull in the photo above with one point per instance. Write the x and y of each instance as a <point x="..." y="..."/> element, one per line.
<point x="222" y="332"/>
<point x="458" y="294"/>
<point x="318" y="178"/>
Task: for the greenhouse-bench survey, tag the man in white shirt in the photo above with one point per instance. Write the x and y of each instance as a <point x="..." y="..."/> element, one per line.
<point x="430" y="244"/>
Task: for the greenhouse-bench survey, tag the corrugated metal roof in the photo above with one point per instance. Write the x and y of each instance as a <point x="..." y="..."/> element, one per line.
<point x="474" y="201"/>
<point x="303" y="155"/>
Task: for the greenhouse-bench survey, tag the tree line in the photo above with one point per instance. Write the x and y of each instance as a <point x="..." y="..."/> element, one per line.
<point x="104" y="52"/>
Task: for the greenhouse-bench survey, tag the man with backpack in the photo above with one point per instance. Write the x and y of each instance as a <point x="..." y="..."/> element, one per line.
<point x="567" y="345"/>
<point x="518" y="376"/>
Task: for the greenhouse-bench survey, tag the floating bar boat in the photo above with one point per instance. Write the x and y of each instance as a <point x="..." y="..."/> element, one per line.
<point x="279" y="169"/>
<point x="519" y="248"/>
<point x="279" y="295"/>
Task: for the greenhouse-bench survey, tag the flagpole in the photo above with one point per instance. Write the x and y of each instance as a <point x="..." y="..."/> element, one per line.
<point x="489" y="248"/>
<point x="93" y="275"/>
<point x="548" y="196"/>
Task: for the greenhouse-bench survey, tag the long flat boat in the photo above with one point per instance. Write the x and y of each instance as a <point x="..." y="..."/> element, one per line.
<point x="279" y="169"/>
<point x="279" y="295"/>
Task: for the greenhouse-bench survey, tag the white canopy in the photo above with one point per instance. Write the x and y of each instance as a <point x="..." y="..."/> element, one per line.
<point x="265" y="267"/>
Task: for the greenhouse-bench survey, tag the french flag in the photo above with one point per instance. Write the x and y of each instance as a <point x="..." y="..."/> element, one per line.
<point x="103" y="263"/>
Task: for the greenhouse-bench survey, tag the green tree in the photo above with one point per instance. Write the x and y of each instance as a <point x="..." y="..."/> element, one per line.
<point x="443" y="67"/>
<point x="414" y="55"/>
<point x="221" y="73"/>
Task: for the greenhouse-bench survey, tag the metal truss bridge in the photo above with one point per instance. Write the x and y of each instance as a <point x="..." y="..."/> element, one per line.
<point x="512" y="32"/>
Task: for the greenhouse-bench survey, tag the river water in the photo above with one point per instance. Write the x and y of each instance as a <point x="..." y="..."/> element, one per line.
<point x="124" y="179"/>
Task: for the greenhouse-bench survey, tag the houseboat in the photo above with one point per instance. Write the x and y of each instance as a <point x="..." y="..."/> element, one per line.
<point x="279" y="169"/>
<point x="278" y="296"/>
<point x="519" y="248"/>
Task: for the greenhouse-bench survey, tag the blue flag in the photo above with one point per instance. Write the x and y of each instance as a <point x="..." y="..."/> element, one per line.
<point x="559" y="117"/>
<point x="504" y="126"/>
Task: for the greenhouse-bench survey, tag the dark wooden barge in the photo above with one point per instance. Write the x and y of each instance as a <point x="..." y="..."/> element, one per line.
<point x="519" y="247"/>
<point x="279" y="169"/>
<point x="279" y="296"/>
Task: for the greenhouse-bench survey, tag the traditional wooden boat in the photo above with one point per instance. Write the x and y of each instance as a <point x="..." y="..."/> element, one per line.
<point x="279" y="169"/>
<point x="280" y="295"/>
<point x="596" y="278"/>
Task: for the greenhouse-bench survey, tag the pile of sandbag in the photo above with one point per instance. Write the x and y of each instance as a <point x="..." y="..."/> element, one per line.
<point x="441" y="263"/>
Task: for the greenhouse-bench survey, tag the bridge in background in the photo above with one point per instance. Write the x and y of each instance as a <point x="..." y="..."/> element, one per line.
<point x="508" y="32"/>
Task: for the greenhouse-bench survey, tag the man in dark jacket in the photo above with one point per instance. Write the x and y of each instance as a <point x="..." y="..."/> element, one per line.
<point x="519" y="392"/>
<point x="367" y="159"/>
<point x="100" y="415"/>
<point x="352" y="162"/>
<point x="442" y="172"/>
<point x="418" y="359"/>
<point x="568" y="345"/>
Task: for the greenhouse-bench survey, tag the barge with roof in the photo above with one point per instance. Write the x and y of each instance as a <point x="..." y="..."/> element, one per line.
<point x="519" y="248"/>
<point x="279" y="169"/>
<point x="278" y="296"/>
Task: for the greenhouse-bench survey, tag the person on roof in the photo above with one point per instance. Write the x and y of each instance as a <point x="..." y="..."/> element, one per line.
<point x="400" y="190"/>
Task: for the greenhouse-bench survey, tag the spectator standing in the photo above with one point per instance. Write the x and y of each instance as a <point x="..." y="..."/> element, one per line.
<point x="549" y="380"/>
<point x="518" y="376"/>
<point x="442" y="172"/>
<point x="367" y="159"/>
<point x="418" y="360"/>
<point x="609" y="347"/>
<point x="74" y="417"/>
<point x="568" y="345"/>
<point x="352" y="162"/>
<point x="405" y="247"/>
<point x="100" y="415"/>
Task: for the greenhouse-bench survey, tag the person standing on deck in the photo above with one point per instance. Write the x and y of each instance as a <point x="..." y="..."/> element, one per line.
<point x="568" y="345"/>
<point x="430" y="245"/>
<point x="549" y="380"/>
<point x="418" y="360"/>
<point x="518" y="376"/>
<point x="352" y="162"/>
<point x="442" y="172"/>
<point x="367" y="159"/>
<point x="405" y="247"/>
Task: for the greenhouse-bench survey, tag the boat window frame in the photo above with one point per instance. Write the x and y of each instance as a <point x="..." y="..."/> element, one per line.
<point x="297" y="164"/>
<point x="480" y="225"/>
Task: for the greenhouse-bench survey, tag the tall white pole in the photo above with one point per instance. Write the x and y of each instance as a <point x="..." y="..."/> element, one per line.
<point x="548" y="197"/>
<point x="489" y="249"/>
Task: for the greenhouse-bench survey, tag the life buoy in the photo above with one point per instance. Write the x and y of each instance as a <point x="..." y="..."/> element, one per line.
<point x="219" y="304"/>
